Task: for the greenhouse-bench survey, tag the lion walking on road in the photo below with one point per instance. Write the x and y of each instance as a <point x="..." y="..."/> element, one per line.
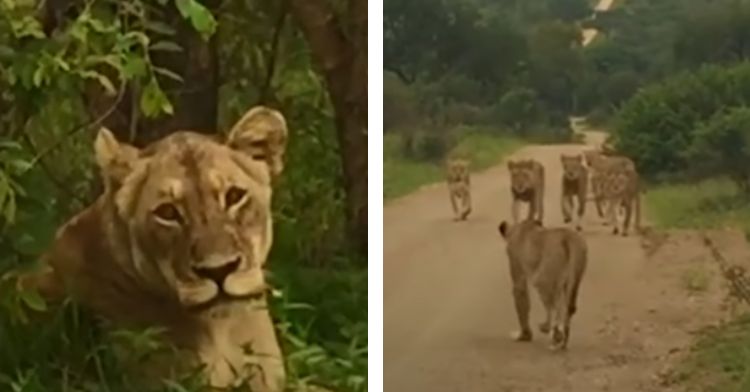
<point x="458" y="178"/>
<point x="527" y="186"/>
<point x="574" y="188"/>
<point x="554" y="261"/>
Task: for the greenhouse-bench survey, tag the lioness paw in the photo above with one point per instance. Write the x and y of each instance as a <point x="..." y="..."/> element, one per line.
<point x="522" y="336"/>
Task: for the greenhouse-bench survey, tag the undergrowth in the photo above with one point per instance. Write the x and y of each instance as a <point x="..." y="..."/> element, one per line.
<point x="712" y="203"/>
<point x="719" y="361"/>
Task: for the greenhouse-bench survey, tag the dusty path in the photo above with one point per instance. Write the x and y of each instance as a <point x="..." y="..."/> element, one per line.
<point x="447" y="303"/>
<point x="590" y="34"/>
<point x="448" y="309"/>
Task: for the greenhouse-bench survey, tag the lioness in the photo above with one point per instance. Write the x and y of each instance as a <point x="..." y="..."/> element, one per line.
<point x="574" y="188"/>
<point x="459" y="187"/>
<point x="621" y="188"/>
<point x="178" y="240"/>
<point x="527" y="185"/>
<point x="598" y="161"/>
<point x="615" y="181"/>
<point x="554" y="261"/>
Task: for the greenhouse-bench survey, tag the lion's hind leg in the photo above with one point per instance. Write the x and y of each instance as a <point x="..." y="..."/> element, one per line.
<point x="561" y="319"/>
<point x="548" y="300"/>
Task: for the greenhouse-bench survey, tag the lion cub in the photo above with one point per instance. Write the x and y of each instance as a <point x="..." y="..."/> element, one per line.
<point x="554" y="261"/>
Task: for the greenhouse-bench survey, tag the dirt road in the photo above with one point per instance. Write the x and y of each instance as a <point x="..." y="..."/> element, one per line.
<point x="590" y="34"/>
<point x="448" y="309"/>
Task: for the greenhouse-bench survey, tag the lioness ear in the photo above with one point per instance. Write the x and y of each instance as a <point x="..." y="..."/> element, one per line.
<point x="115" y="159"/>
<point x="262" y="134"/>
<point x="503" y="229"/>
<point x="511" y="164"/>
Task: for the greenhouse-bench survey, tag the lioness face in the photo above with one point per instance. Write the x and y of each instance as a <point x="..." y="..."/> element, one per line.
<point x="521" y="175"/>
<point x="198" y="210"/>
<point x="457" y="171"/>
<point x="572" y="166"/>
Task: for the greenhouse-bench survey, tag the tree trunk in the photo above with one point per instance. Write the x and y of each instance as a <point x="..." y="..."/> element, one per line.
<point x="342" y="60"/>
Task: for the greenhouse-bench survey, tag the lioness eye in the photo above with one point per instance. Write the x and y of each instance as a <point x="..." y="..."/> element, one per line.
<point x="167" y="212"/>
<point x="233" y="196"/>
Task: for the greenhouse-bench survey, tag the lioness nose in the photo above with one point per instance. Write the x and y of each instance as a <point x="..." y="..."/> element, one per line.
<point x="217" y="271"/>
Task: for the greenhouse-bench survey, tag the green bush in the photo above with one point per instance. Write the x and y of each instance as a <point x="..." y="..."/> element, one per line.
<point x="658" y="124"/>
<point x="722" y="146"/>
<point x="518" y="108"/>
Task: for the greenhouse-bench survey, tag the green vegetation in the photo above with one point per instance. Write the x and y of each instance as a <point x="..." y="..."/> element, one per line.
<point x="489" y="64"/>
<point x="475" y="78"/>
<point x="707" y="204"/>
<point x="403" y="175"/>
<point x="719" y="361"/>
<point x="144" y="69"/>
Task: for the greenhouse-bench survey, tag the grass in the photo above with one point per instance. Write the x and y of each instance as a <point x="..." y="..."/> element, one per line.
<point x="712" y="203"/>
<point x="719" y="361"/>
<point x="402" y="175"/>
<point x="695" y="280"/>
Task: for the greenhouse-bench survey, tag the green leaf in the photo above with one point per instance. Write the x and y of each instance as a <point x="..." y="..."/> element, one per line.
<point x="200" y="17"/>
<point x="62" y="64"/>
<point x="134" y="67"/>
<point x="33" y="300"/>
<point x="38" y="78"/>
<point x="166" y="46"/>
<point x="10" y="209"/>
<point x="26" y="27"/>
<point x="138" y="37"/>
<point x="168" y="73"/>
<point x="19" y="165"/>
<point x="99" y="26"/>
<point x="154" y="101"/>
<point x="184" y="6"/>
<point x="110" y="59"/>
<point x="159" y="27"/>
<point x="203" y="21"/>
<point x="103" y="81"/>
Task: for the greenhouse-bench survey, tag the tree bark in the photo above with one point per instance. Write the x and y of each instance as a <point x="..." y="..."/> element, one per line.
<point x="342" y="61"/>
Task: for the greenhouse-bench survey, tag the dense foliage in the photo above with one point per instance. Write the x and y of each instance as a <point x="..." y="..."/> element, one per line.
<point x="660" y="125"/>
<point x="146" y="68"/>
<point x="642" y="42"/>
<point x="508" y="66"/>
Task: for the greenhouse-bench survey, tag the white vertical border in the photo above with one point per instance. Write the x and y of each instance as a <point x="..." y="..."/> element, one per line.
<point x="375" y="195"/>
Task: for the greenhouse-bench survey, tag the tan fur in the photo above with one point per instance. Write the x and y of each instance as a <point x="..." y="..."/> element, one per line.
<point x="527" y="185"/>
<point x="554" y="262"/>
<point x="458" y="177"/>
<point x="598" y="161"/>
<point x="616" y="183"/>
<point x="574" y="188"/>
<point x="178" y="240"/>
